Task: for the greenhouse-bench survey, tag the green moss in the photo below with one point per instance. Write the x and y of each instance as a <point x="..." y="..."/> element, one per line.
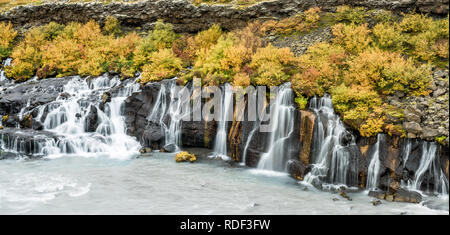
<point x="441" y="139"/>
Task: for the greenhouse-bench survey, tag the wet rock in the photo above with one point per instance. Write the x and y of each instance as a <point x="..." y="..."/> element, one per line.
<point x="26" y="122"/>
<point x="403" y="195"/>
<point x="345" y="138"/>
<point x="306" y="135"/>
<point x="91" y="121"/>
<point x="376" y="202"/>
<point x="30" y="94"/>
<point x="37" y="125"/>
<point x="344" y="195"/>
<point x="377" y="194"/>
<point x="26" y="142"/>
<point x="169" y="148"/>
<point x="145" y="150"/>
<point x="106" y="98"/>
<point x="297" y="169"/>
<point x="10" y="121"/>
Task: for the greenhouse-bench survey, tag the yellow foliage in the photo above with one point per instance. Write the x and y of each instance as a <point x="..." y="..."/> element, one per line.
<point x="389" y="37"/>
<point x="185" y="156"/>
<point x="354" y="38"/>
<point x="415" y="23"/>
<point x="241" y="79"/>
<point x="272" y="65"/>
<point x="353" y="15"/>
<point x="163" y="64"/>
<point x="62" y="56"/>
<point x="161" y="37"/>
<point x="321" y="69"/>
<point x="112" y="26"/>
<point x="7" y="36"/>
<point x="388" y="72"/>
<point x="302" y="22"/>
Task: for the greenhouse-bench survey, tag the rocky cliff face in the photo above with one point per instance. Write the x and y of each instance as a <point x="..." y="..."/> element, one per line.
<point x="187" y="17"/>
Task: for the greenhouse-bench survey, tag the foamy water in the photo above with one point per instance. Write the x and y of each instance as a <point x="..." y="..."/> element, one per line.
<point x="158" y="185"/>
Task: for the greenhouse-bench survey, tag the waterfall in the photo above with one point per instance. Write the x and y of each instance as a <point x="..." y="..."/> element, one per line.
<point x="220" y="144"/>
<point x="328" y="145"/>
<point x="373" y="172"/>
<point x="407" y="152"/>
<point x="3" y="78"/>
<point x="172" y="109"/>
<point x="282" y="119"/>
<point x="430" y="167"/>
<point x="78" y="123"/>
<point x="249" y="139"/>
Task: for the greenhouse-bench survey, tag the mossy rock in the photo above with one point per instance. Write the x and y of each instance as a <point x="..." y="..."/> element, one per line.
<point x="185" y="156"/>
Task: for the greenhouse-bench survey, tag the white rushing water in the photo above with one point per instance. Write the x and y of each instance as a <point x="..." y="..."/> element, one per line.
<point x="68" y="119"/>
<point x="282" y="119"/>
<point x="330" y="158"/>
<point x="172" y="109"/>
<point x="429" y="167"/>
<point x="373" y="172"/>
<point x="226" y="113"/>
<point x="247" y="143"/>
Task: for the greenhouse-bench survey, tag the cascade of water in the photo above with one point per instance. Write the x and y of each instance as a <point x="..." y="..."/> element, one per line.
<point x="6" y="62"/>
<point x="282" y="119"/>
<point x="175" y="110"/>
<point x="70" y="115"/>
<point x="249" y="139"/>
<point x="328" y="145"/>
<point x="373" y="172"/>
<point x="176" y="113"/>
<point x="220" y="144"/>
<point x="429" y="167"/>
<point x="407" y="152"/>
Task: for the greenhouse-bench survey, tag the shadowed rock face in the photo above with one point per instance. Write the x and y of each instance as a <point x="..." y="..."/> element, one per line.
<point x="14" y="98"/>
<point x="187" y="17"/>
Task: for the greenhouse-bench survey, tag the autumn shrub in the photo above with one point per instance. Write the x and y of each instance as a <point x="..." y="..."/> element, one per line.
<point x="51" y="30"/>
<point x="302" y="22"/>
<point x="388" y="37"/>
<point x="161" y="37"/>
<point x="214" y="65"/>
<point x="415" y="23"/>
<point x="321" y="69"/>
<point x="352" y="15"/>
<point x="163" y="64"/>
<point x="112" y="26"/>
<point x="7" y="36"/>
<point x="354" y="38"/>
<point x="388" y="72"/>
<point x="62" y="57"/>
<point x="359" y="107"/>
<point x="27" y="57"/>
<point x="272" y="65"/>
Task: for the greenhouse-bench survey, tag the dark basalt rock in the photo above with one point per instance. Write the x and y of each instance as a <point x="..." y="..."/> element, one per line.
<point x="16" y="97"/>
<point x="187" y="17"/>
<point x="297" y="169"/>
<point x="91" y="121"/>
<point x="169" y="148"/>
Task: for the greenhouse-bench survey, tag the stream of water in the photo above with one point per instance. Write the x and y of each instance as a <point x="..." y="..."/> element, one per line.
<point x="158" y="185"/>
